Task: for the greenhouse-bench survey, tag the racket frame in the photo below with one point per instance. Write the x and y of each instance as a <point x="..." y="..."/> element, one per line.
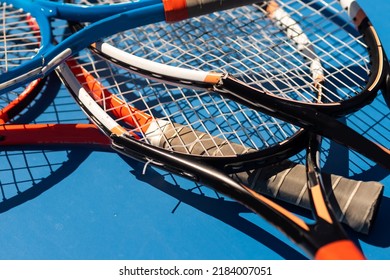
<point x="107" y="20"/>
<point x="210" y="172"/>
<point x="319" y="118"/>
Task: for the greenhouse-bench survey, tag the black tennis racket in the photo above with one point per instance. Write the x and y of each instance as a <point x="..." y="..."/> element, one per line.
<point x="334" y="41"/>
<point x="297" y="62"/>
<point x="161" y="134"/>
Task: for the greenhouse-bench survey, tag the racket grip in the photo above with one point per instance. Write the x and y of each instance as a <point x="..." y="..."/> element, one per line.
<point x="176" y="10"/>
<point x="184" y="139"/>
<point x="355" y="203"/>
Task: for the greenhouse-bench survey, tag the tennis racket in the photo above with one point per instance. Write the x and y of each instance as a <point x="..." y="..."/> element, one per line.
<point x="154" y="136"/>
<point x="57" y="136"/>
<point x="279" y="65"/>
<point x="64" y="136"/>
<point x="356" y="212"/>
<point x="359" y="200"/>
<point x="141" y="43"/>
<point x="109" y="19"/>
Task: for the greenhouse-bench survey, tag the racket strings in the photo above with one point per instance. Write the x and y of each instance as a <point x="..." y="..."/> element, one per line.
<point x="24" y="172"/>
<point x="195" y="116"/>
<point x="251" y="46"/>
<point x="20" y="37"/>
<point x="8" y="97"/>
<point x="10" y="107"/>
<point x="215" y="117"/>
<point x="343" y="54"/>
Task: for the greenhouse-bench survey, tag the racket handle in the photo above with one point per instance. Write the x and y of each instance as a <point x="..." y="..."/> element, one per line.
<point x="183" y="139"/>
<point x="176" y="10"/>
<point x="355" y="203"/>
<point x="339" y="250"/>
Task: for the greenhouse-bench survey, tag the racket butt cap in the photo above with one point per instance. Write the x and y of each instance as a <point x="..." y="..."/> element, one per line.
<point x="339" y="250"/>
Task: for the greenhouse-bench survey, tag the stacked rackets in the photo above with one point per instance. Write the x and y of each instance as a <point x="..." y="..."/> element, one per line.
<point x="235" y="95"/>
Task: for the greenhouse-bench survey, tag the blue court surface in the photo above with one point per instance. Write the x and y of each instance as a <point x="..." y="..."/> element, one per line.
<point x="88" y="204"/>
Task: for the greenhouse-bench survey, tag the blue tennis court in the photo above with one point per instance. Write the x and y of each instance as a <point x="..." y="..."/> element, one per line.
<point x="79" y="203"/>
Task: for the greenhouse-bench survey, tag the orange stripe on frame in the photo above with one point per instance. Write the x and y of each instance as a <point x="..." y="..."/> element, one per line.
<point x="320" y="205"/>
<point x="175" y="10"/>
<point x="213" y="78"/>
<point x="360" y="16"/>
<point x="271" y="8"/>
<point x="117" y="107"/>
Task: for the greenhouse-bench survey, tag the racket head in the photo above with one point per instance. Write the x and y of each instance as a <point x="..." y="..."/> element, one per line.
<point x="21" y="40"/>
<point x="21" y="37"/>
<point x="37" y="62"/>
<point x="261" y="139"/>
<point x="352" y="60"/>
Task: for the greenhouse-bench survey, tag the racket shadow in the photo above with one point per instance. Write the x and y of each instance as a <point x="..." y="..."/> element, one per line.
<point x="380" y="233"/>
<point x="370" y="121"/>
<point x="373" y="121"/>
<point x="224" y="210"/>
<point x="28" y="172"/>
<point x="20" y="184"/>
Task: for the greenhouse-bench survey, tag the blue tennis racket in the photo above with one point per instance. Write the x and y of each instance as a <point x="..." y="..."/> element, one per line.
<point x="108" y="19"/>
